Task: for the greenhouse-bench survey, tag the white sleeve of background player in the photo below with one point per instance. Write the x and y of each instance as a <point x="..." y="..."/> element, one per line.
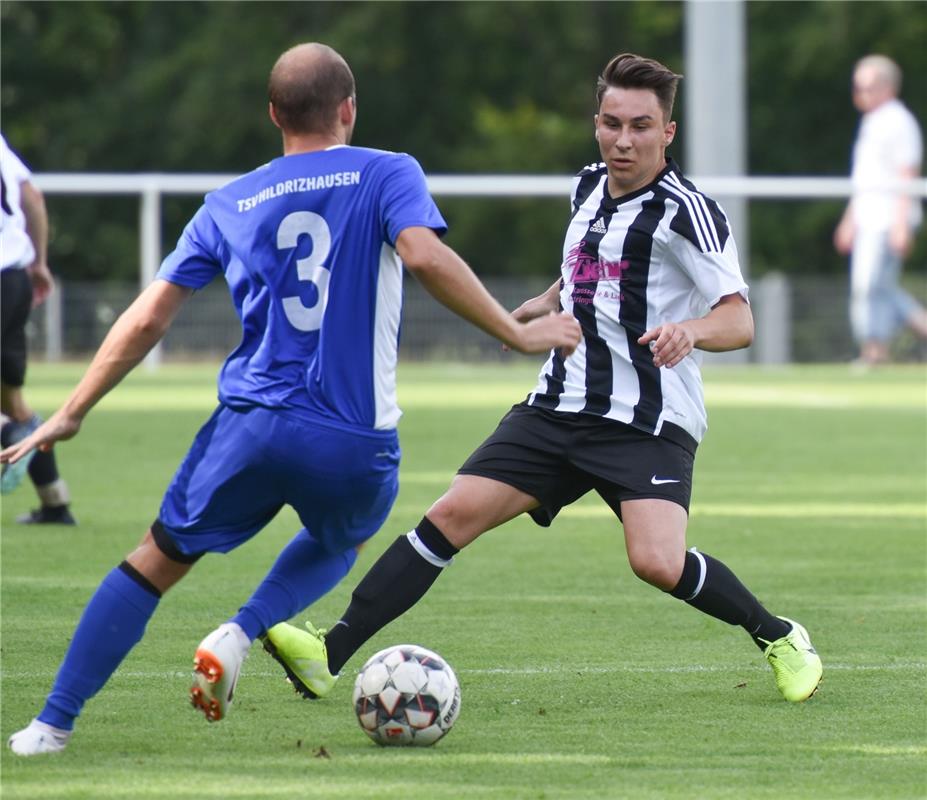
<point x="12" y="165"/>
<point x="714" y="274"/>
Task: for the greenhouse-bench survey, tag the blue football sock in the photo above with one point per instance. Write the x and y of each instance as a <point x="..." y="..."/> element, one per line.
<point x="112" y="623"/>
<point x="303" y="572"/>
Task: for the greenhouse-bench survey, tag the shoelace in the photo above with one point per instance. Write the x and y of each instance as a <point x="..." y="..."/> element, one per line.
<point x="789" y="654"/>
<point x="314" y="631"/>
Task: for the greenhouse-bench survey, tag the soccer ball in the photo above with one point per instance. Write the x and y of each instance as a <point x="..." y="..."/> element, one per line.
<point x="406" y="695"/>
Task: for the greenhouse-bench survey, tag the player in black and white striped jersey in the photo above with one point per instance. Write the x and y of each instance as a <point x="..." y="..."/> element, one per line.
<point x="650" y="270"/>
<point x="631" y="264"/>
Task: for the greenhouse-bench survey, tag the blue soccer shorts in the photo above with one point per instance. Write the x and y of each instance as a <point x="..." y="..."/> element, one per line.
<point x="245" y="465"/>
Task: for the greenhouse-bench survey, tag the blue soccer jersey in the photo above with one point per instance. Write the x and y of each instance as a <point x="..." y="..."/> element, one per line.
<point x="307" y="246"/>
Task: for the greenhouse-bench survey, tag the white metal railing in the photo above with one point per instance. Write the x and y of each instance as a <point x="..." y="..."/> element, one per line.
<point x="758" y="186"/>
<point x="151" y="186"/>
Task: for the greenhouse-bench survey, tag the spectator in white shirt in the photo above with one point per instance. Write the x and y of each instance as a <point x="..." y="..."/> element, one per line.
<point x="878" y="226"/>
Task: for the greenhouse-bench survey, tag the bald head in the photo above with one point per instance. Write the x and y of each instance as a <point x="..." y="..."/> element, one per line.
<point x="306" y="87"/>
<point x="883" y="69"/>
<point x="876" y="79"/>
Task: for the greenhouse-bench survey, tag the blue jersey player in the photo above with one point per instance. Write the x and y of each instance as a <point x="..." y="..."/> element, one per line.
<point x="312" y="247"/>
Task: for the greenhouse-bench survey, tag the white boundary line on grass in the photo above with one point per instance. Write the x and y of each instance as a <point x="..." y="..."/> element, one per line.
<point x="575" y="669"/>
<point x="680" y="669"/>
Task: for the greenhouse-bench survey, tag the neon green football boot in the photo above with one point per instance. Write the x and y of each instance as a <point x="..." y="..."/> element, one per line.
<point x="303" y="656"/>
<point x="795" y="663"/>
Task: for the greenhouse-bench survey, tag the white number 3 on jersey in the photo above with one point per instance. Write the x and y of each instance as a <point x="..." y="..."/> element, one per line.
<point x="312" y="268"/>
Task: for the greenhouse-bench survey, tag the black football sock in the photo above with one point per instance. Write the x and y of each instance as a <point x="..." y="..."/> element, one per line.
<point x="42" y="469"/>
<point x="395" y="583"/>
<point x="709" y="586"/>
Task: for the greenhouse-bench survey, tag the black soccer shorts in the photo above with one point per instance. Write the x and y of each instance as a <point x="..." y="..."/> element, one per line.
<point x="15" y="305"/>
<point x="557" y="457"/>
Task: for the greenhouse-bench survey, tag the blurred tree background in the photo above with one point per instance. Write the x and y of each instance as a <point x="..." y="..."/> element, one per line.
<point x="465" y="87"/>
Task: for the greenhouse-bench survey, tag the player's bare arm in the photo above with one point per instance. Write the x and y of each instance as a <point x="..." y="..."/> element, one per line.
<point x="448" y="279"/>
<point x="845" y="231"/>
<point x="901" y="235"/>
<point x="33" y="205"/>
<point x="728" y="326"/>
<point x="136" y="331"/>
<point x="541" y="305"/>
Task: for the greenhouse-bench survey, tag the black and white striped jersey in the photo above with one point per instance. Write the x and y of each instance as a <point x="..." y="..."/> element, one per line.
<point x="663" y="253"/>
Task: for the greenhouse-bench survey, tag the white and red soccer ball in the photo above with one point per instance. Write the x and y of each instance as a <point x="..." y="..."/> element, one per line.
<point x="406" y="695"/>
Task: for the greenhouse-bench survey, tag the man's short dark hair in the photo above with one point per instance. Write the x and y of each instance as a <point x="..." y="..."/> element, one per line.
<point x="629" y="71"/>
<point x="307" y="100"/>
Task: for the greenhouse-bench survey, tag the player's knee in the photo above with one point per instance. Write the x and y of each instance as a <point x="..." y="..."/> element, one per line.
<point x="456" y="518"/>
<point x="661" y="570"/>
<point x="150" y="562"/>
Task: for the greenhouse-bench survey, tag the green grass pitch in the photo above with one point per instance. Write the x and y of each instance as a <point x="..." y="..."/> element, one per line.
<point x="578" y="680"/>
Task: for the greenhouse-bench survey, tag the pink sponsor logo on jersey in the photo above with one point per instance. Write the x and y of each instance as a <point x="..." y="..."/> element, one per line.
<point x="585" y="268"/>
